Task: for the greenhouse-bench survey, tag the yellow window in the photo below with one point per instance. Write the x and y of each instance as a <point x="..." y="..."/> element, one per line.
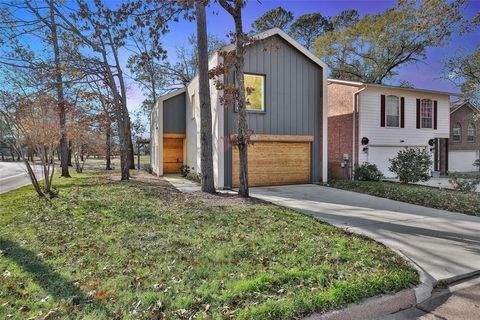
<point x="255" y="92"/>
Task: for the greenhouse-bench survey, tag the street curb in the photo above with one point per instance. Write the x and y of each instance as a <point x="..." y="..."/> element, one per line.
<point x="371" y="308"/>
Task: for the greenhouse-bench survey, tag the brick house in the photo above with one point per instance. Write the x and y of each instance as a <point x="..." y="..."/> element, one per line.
<point x="372" y="122"/>
<point x="464" y="142"/>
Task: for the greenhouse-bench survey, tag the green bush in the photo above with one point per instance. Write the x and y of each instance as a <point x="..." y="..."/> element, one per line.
<point x="184" y="170"/>
<point x="368" y="172"/>
<point x="463" y="183"/>
<point x="411" y="165"/>
<point x="476" y="163"/>
<point x="194" y="176"/>
<point x="148" y="167"/>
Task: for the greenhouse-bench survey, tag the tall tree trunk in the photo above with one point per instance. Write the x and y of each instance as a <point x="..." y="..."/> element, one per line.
<point x="122" y="98"/>
<point x="242" y="137"/>
<point x="235" y="10"/>
<point x="131" y="155"/>
<point x="108" y="147"/>
<point x="70" y="154"/>
<point x="60" y="95"/>
<point x="205" y="103"/>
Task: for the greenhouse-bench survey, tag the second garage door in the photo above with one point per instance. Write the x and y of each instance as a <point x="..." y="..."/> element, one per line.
<point x="462" y="161"/>
<point x="275" y="163"/>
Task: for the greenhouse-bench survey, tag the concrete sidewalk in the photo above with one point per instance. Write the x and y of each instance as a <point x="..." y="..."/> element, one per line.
<point x="445" y="245"/>
<point x="460" y="302"/>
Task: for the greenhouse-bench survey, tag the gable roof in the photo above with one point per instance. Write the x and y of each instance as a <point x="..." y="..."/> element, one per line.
<point x="279" y="32"/>
<point x="259" y="36"/>
<point x="460" y="103"/>
<point x="365" y="84"/>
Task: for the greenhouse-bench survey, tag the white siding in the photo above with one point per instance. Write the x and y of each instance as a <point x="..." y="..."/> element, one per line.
<point x="193" y="150"/>
<point x="155" y="138"/>
<point x="396" y="138"/>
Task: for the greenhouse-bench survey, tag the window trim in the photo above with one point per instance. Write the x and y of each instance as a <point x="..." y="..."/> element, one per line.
<point x="398" y="111"/>
<point x="432" y="117"/>
<point x="264" y="77"/>
<point x="459" y="134"/>
<point x="474" y="127"/>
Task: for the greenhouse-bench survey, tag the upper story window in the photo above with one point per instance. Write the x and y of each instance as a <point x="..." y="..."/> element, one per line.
<point x="471" y="132"/>
<point x="255" y="92"/>
<point x="393" y="111"/>
<point x="457" y="132"/>
<point x="194" y="106"/>
<point x="426" y="113"/>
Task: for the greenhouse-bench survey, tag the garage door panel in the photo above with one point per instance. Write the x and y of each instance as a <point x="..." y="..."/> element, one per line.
<point x="275" y="163"/>
<point x="380" y="156"/>
<point x="462" y="161"/>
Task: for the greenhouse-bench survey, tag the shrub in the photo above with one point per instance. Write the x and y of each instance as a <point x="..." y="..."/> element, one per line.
<point x="476" y="163"/>
<point x="411" y="165"/>
<point x="184" y="170"/>
<point x="194" y="176"/>
<point x="463" y="183"/>
<point x="148" y="167"/>
<point x="368" y="172"/>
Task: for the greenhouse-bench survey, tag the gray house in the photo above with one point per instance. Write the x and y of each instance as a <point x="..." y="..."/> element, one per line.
<point x="287" y="113"/>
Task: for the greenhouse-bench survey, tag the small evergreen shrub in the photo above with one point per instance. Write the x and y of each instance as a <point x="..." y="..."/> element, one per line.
<point x="463" y="183"/>
<point x="412" y="165"/>
<point x="185" y="170"/>
<point x="476" y="163"/>
<point x="148" y="167"/>
<point x="368" y="172"/>
<point x="194" y="176"/>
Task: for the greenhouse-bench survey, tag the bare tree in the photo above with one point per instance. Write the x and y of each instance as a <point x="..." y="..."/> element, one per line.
<point x="234" y="8"/>
<point x="104" y="32"/>
<point x="31" y="120"/>
<point x="41" y="24"/>
<point x="205" y="103"/>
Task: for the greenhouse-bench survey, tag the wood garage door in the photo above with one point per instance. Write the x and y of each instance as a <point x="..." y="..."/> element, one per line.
<point x="172" y="155"/>
<point x="275" y="163"/>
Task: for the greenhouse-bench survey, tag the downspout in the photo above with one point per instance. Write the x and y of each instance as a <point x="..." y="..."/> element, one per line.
<point x="354" y="135"/>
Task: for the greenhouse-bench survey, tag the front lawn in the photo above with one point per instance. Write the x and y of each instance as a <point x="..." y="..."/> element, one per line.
<point x="141" y="250"/>
<point x="426" y="196"/>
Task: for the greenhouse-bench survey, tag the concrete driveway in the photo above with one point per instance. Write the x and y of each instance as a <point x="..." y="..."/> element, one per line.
<point x="444" y="244"/>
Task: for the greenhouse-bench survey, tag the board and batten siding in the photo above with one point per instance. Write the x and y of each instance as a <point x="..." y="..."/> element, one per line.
<point x="174" y="114"/>
<point x="369" y="120"/>
<point x="293" y="98"/>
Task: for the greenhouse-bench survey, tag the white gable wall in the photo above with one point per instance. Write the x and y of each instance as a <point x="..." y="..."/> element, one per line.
<point x="193" y="151"/>
<point x="384" y="142"/>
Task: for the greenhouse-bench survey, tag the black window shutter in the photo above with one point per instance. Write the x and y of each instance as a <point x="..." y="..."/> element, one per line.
<point x="382" y="110"/>
<point x="402" y="112"/>
<point x="435" y="114"/>
<point x="418" y="113"/>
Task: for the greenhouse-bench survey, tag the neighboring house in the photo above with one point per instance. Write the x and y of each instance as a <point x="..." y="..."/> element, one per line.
<point x="371" y="123"/>
<point x="464" y="142"/>
<point x="286" y="114"/>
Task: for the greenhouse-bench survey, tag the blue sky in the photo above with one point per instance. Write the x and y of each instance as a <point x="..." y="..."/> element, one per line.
<point x="426" y="74"/>
<point x="422" y="75"/>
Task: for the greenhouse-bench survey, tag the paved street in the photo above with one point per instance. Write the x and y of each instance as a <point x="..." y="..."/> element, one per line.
<point x="14" y="175"/>
<point x="446" y="245"/>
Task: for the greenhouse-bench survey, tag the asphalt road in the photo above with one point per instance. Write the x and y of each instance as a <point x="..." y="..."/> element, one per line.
<point x="14" y="175"/>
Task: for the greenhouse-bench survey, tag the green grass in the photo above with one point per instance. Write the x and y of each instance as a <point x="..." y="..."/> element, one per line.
<point x="110" y="250"/>
<point x="426" y="196"/>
